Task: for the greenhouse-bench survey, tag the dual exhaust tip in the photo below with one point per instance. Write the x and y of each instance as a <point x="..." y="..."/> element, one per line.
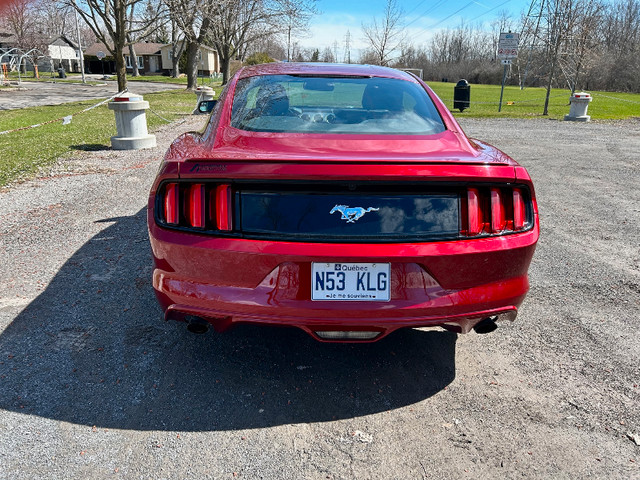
<point x="200" y="326"/>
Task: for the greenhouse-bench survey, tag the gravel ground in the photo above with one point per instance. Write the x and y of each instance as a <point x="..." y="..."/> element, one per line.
<point x="93" y="384"/>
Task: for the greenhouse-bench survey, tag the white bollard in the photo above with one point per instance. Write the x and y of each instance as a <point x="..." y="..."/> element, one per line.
<point x="131" y="123"/>
<point x="203" y="93"/>
<point x="579" y="105"/>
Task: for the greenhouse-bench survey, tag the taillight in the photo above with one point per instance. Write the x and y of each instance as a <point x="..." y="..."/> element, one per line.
<point x="195" y="205"/>
<point x="494" y="210"/>
<point x="498" y="220"/>
<point x="171" y="203"/>
<point x="519" y="210"/>
<point x="474" y="215"/>
<point x="223" y="207"/>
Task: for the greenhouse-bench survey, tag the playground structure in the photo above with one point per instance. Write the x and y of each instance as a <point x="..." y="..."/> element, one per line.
<point x="17" y="60"/>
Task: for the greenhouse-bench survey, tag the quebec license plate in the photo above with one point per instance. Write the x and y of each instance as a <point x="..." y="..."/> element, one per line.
<point x="351" y="281"/>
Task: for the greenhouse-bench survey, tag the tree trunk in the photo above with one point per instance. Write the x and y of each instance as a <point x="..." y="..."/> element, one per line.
<point x="192" y="65"/>
<point x="551" y="74"/>
<point x="175" y="64"/>
<point x="119" y="41"/>
<point x="176" y="50"/>
<point x="121" y="67"/>
<point x="225" y="67"/>
<point x="134" y="61"/>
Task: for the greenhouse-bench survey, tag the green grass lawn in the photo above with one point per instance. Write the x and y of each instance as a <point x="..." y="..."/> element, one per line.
<point x="28" y="150"/>
<point x="529" y="103"/>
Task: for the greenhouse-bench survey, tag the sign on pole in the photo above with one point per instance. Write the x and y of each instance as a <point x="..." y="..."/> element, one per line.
<point x="507" y="50"/>
<point x="508" y="45"/>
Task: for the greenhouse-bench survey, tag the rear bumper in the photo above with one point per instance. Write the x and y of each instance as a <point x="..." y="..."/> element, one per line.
<point x="453" y="285"/>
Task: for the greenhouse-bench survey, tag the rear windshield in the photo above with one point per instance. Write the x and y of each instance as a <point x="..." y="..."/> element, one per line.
<point x="351" y="105"/>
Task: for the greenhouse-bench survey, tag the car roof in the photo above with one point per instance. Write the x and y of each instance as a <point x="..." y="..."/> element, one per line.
<point x="317" y="68"/>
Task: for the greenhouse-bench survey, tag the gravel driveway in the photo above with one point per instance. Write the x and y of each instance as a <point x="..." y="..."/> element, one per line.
<point x="93" y="384"/>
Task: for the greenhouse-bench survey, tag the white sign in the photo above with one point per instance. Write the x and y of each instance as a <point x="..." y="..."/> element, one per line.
<point x="505" y="62"/>
<point x="508" y="45"/>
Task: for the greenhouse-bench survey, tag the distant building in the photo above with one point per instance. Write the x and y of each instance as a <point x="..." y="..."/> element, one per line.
<point x="209" y="62"/>
<point x="61" y="52"/>
<point x="148" y="58"/>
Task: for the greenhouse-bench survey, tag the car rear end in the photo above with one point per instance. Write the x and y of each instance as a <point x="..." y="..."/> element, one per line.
<point x="348" y="237"/>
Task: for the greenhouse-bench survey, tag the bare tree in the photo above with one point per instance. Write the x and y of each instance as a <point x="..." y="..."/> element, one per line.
<point x="386" y="35"/>
<point x="22" y="19"/>
<point x="558" y="22"/>
<point x="177" y="47"/>
<point x="111" y="21"/>
<point x="193" y="17"/>
<point x="296" y="15"/>
<point x="582" y="42"/>
<point x="238" y="23"/>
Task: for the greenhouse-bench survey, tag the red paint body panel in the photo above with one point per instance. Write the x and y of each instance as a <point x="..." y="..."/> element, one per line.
<point x="453" y="284"/>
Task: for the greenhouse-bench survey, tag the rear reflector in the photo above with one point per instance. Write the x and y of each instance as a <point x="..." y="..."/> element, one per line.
<point x="171" y="201"/>
<point x="347" y="335"/>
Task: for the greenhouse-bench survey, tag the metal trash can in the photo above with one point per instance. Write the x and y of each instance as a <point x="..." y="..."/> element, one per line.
<point x="461" y="95"/>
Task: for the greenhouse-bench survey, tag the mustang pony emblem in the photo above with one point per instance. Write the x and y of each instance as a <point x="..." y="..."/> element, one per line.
<point x="351" y="214"/>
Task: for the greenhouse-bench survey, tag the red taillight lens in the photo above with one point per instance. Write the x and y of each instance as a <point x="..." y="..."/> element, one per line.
<point x="196" y="205"/>
<point x="493" y="210"/>
<point x="171" y="202"/>
<point x="474" y="212"/>
<point x="498" y="218"/>
<point x="223" y="207"/>
<point x="519" y="211"/>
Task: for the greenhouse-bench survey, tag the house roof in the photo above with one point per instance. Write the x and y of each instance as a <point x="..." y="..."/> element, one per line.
<point x="142" y="48"/>
<point x="62" y="41"/>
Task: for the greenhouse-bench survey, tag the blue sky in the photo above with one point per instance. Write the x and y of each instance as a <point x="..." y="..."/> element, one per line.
<point x="422" y="17"/>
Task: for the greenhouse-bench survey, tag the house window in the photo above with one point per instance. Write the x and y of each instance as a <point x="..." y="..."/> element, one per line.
<point x="139" y="59"/>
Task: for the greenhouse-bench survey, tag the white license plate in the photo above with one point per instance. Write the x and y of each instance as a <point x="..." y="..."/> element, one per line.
<point x="351" y="281"/>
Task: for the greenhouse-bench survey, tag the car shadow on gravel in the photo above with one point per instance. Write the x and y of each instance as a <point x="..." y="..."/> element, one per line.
<point x="92" y="349"/>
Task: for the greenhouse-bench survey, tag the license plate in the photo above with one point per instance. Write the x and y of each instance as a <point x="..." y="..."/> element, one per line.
<point x="351" y="281"/>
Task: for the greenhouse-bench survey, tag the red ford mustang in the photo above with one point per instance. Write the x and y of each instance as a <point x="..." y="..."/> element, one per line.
<point x="341" y="199"/>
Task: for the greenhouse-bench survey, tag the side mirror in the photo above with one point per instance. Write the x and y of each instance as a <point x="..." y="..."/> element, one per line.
<point x="205" y="106"/>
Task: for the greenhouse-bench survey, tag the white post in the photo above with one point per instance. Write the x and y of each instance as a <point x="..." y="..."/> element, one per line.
<point x="80" y="48"/>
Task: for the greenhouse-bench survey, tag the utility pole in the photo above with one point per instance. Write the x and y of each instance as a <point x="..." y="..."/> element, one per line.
<point x="532" y="8"/>
<point x="80" y="48"/>
<point x="335" y="51"/>
<point x="347" y="47"/>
